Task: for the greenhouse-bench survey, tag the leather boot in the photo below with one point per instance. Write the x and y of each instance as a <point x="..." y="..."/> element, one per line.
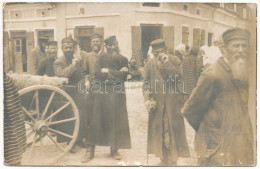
<point x="89" y="155"/>
<point x="114" y="153"/>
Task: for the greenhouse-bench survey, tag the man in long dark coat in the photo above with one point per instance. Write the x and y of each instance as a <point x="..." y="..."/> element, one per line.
<point x="45" y="66"/>
<point x="217" y="107"/>
<point x="70" y="67"/>
<point x="89" y="66"/>
<point x="166" y="130"/>
<point x="108" y="119"/>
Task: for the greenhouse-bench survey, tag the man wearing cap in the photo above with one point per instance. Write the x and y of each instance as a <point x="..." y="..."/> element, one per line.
<point x="89" y="65"/>
<point x="36" y="55"/>
<point x="166" y="130"/>
<point x="45" y="66"/>
<point x="109" y="120"/>
<point x="217" y="107"/>
<point x="70" y="67"/>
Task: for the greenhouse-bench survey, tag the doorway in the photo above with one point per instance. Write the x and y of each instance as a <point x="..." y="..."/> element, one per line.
<point x="148" y="34"/>
<point x="46" y="34"/>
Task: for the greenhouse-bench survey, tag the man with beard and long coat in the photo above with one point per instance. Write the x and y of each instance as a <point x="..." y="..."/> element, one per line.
<point x="89" y="65"/>
<point x="217" y="107"/>
<point x="70" y="67"/>
<point x="109" y="120"/>
<point x="166" y="130"/>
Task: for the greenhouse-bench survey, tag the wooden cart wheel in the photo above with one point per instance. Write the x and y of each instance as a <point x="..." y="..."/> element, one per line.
<point x="52" y="124"/>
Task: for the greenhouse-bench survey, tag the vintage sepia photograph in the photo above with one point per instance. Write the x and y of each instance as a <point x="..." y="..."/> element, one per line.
<point x="129" y="84"/>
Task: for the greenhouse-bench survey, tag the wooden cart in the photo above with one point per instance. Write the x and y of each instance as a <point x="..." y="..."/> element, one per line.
<point x="48" y="109"/>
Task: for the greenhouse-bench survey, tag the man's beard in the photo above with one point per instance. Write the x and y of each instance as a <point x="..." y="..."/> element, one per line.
<point x="114" y="52"/>
<point x="239" y="70"/>
<point x="68" y="55"/>
<point x="96" y="48"/>
<point x="52" y="55"/>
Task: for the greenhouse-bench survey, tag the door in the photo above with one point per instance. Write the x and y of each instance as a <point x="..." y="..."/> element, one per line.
<point x="148" y="34"/>
<point x="18" y="55"/>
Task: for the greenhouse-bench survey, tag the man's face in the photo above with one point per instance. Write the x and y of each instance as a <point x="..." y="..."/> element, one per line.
<point x="237" y="52"/>
<point x="42" y="46"/>
<point x="68" y="50"/>
<point x="52" y="51"/>
<point x="96" y="44"/>
<point x="158" y="52"/>
<point x="112" y="48"/>
<point x="236" y="49"/>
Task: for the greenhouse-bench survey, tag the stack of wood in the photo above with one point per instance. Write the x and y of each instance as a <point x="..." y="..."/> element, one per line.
<point x="26" y="80"/>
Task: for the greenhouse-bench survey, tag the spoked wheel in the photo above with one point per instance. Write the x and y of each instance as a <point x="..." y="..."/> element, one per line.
<point x="52" y="124"/>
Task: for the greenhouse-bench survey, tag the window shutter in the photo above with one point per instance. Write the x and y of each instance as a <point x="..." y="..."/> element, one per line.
<point x="168" y="36"/>
<point x="137" y="46"/>
<point x="29" y="47"/>
<point x="202" y="38"/>
<point x="7" y="58"/>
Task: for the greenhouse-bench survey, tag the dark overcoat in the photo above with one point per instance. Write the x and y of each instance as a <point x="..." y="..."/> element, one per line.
<point x="63" y="67"/>
<point x="159" y="84"/>
<point x="108" y="120"/>
<point x="217" y="110"/>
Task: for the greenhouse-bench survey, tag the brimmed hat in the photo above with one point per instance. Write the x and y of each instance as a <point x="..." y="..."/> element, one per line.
<point x="158" y="44"/>
<point x="110" y="39"/>
<point x="235" y="33"/>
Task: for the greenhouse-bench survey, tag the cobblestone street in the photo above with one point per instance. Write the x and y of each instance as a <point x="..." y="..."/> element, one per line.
<point x="138" y="119"/>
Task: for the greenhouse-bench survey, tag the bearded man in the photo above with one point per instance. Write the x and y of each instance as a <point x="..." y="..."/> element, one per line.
<point x="109" y="120"/>
<point x="217" y="107"/>
<point x="89" y="65"/>
<point x="70" y="67"/>
<point x="45" y="66"/>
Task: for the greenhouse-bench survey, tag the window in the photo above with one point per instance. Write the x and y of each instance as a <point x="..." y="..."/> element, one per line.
<point x="150" y="4"/>
<point x="43" y="12"/>
<point x="18" y="45"/>
<point x="81" y="11"/>
<point x="244" y="13"/>
<point x="197" y="11"/>
<point x="16" y="14"/>
<point x="185" y="7"/>
<point x="230" y="6"/>
<point x="185" y="35"/>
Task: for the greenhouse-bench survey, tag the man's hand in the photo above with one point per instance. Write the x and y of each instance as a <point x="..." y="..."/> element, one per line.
<point x="163" y="57"/>
<point x="150" y="105"/>
<point x="104" y="70"/>
<point x="124" y="69"/>
<point x="75" y="62"/>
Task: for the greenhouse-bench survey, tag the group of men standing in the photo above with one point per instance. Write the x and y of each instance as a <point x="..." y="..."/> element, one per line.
<point x="103" y="114"/>
<point x="216" y="108"/>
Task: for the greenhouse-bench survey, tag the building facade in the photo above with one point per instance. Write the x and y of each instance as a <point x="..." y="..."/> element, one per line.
<point x="134" y="24"/>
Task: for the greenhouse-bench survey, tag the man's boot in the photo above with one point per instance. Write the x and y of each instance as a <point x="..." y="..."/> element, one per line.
<point x="89" y="155"/>
<point x="74" y="149"/>
<point x="114" y="153"/>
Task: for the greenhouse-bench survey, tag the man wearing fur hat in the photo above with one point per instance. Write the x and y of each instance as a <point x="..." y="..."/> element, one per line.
<point x="166" y="130"/>
<point x="217" y="107"/>
<point x="109" y="120"/>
